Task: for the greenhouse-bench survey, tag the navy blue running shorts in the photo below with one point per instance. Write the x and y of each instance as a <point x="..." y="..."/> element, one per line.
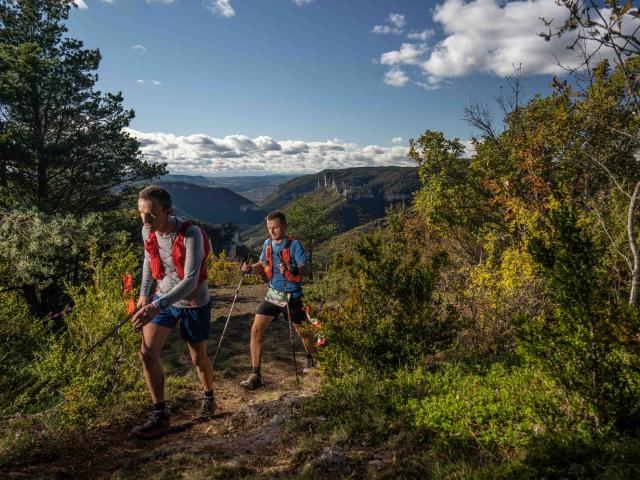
<point x="195" y="323"/>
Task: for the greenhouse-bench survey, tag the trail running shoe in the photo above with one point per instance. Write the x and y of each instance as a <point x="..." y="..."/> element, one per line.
<point x="155" y="427"/>
<point x="208" y="407"/>
<point x="311" y="364"/>
<point x="254" y="381"/>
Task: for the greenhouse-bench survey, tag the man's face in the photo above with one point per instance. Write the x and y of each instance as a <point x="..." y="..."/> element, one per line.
<point x="277" y="229"/>
<point x="153" y="215"/>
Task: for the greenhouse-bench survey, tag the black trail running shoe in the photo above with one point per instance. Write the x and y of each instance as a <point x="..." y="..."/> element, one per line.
<point x="155" y="427"/>
<point x="208" y="407"/>
<point x="311" y="364"/>
<point x="254" y="381"/>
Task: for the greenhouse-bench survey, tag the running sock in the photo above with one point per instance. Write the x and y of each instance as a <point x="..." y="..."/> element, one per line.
<point x="159" y="407"/>
<point x="208" y="394"/>
<point x="256" y="370"/>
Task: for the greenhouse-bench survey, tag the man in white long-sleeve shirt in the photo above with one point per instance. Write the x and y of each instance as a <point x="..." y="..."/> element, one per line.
<point x="175" y="256"/>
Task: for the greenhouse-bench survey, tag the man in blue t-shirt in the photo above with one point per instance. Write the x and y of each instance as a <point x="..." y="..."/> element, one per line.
<point x="284" y="262"/>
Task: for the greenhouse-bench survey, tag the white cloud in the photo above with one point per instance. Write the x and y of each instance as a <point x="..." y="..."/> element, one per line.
<point x="207" y="155"/>
<point x="396" y="140"/>
<point x="139" y="48"/>
<point x="149" y="82"/>
<point x="396" y="77"/>
<point x="409" y="54"/>
<point x="396" y="23"/>
<point x="381" y="29"/>
<point x="220" y="7"/>
<point x="487" y="36"/>
<point x="469" y="148"/>
<point x="166" y="2"/>
<point x="80" y="4"/>
<point x="397" y="20"/>
<point x="302" y="2"/>
<point x="422" y="36"/>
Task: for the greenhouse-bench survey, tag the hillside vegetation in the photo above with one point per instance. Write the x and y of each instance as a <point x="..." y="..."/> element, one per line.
<point x="390" y="183"/>
<point x="212" y="205"/>
<point x="489" y="328"/>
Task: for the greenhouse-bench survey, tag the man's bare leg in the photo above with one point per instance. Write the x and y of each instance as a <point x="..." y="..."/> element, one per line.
<point x="202" y="363"/>
<point x="204" y="370"/>
<point x="258" y="329"/>
<point x="307" y="340"/>
<point x="153" y="340"/>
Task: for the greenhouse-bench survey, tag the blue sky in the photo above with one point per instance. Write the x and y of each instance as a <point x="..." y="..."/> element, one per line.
<point x="246" y="86"/>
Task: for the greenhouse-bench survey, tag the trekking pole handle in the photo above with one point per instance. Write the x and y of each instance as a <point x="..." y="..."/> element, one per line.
<point x="246" y="261"/>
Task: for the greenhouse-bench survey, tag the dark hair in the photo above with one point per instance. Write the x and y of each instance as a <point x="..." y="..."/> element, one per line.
<point x="279" y="214"/>
<point x="158" y="193"/>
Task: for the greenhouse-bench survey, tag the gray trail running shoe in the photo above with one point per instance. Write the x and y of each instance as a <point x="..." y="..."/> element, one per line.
<point x="155" y="427"/>
<point x="208" y="407"/>
<point x="254" y="381"/>
<point x="311" y="364"/>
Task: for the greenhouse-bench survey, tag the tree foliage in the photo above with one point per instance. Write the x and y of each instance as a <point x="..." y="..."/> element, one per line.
<point x="309" y="220"/>
<point x="63" y="145"/>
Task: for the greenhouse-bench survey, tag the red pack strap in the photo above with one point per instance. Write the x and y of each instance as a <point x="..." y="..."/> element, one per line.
<point x="285" y="254"/>
<point x="178" y="253"/>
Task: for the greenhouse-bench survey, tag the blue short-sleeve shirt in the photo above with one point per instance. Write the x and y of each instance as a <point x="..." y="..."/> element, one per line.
<point x="298" y="258"/>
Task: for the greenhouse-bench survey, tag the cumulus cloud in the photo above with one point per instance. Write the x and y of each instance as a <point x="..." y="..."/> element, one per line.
<point x="208" y="155"/>
<point x="139" y="48"/>
<point x="302" y="2"/>
<point x="397" y="20"/>
<point x="395" y="23"/>
<point x="220" y="7"/>
<point x="422" y="36"/>
<point x="396" y="77"/>
<point x="409" y="54"/>
<point x="486" y="36"/>
<point x="396" y="140"/>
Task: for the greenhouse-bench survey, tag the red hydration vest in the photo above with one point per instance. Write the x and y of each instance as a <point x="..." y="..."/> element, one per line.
<point x="285" y="256"/>
<point x="178" y="253"/>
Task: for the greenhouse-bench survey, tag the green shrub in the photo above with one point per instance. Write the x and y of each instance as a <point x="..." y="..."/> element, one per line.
<point x="333" y="285"/>
<point x="224" y="272"/>
<point x="390" y="318"/>
<point x="493" y="410"/>
<point x="22" y="337"/>
<point x="589" y="341"/>
<point x="78" y="386"/>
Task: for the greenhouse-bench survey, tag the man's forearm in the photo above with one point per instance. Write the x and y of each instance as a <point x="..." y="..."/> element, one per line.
<point x="147" y="279"/>
<point x="257" y="268"/>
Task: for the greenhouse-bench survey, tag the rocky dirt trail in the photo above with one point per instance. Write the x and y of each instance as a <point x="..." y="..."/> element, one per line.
<point x="247" y="438"/>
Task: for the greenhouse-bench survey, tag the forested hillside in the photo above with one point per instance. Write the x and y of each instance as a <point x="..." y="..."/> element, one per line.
<point x="213" y="205"/>
<point x="390" y="184"/>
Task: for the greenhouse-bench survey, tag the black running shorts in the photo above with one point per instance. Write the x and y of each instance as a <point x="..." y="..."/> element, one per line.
<point x="295" y="307"/>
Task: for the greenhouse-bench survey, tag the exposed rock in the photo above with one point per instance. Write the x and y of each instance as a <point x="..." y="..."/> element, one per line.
<point x="331" y="459"/>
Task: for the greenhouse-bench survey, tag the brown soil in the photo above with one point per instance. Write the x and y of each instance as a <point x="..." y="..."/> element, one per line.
<point x="246" y="438"/>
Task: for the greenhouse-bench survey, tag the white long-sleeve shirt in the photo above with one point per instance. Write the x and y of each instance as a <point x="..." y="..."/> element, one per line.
<point x="185" y="293"/>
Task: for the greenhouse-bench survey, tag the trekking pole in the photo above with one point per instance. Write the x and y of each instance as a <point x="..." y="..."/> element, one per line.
<point x="104" y="339"/>
<point x="293" y="345"/>
<point x="226" y="324"/>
